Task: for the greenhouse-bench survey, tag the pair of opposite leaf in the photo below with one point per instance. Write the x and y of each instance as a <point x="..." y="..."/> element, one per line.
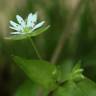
<point x="25" y="26"/>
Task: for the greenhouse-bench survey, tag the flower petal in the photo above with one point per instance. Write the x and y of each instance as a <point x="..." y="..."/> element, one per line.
<point x="38" y="25"/>
<point x="34" y="18"/>
<point x="14" y="24"/>
<point x="17" y="33"/>
<point x="17" y="28"/>
<point x="20" y="20"/>
<point x="13" y="28"/>
<point x="29" y="21"/>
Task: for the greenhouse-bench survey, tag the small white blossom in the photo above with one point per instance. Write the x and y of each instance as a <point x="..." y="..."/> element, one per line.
<point x="27" y="26"/>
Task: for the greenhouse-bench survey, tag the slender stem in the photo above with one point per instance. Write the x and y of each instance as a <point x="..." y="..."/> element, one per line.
<point x="33" y="44"/>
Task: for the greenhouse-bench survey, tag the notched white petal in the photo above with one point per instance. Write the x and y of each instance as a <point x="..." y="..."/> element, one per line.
<point x="29" y="21"/>
<point x="29" y="16"/>
<point x="17" y="28"/>
<point x="13" y="28"/>
<point x="14" y="24"/>
<point x="34" y="18"/>
<point x="38" y="25"/>
<point x="15" y="33"/>
<point x="20" y="20"/>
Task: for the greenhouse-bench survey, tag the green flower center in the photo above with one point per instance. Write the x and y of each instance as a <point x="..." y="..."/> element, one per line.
<point x="26" y="29"/>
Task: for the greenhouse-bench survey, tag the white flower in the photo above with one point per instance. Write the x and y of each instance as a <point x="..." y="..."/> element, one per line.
<point x="27" y="26"/>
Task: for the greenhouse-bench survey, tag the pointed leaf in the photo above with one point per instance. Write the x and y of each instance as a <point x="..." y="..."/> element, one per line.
<point x="39" y="71"/>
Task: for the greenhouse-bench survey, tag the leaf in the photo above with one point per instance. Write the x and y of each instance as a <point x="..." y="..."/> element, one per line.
<point x="27" y="89"/>
<point x="24" y="36"/>
<point x="88" y="87"/>
<point x="76" y="67"/>
<point x="67" y="72"/>
<point x="68" y="89"/>
<point x="39" y="71"/>
<point x="64" y="70"/>
<point x="84" y="87"/>
<point x="30" y="89"/>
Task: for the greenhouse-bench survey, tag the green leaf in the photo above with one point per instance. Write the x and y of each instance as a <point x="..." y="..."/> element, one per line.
<point x="39" y="71"/>
<point x="77" y="66"/>
<point x="28" y="88"/>
<point x="67" y="72"/>
<point x="84" y="87"/>
<point x="24" y="36"/>
<point x="64" y="70"/>
<point x="68" y="89"/>
<point x="88" y="87"/>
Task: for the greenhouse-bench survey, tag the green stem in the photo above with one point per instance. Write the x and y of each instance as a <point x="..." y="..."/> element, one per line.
<point x="33" y="44"/>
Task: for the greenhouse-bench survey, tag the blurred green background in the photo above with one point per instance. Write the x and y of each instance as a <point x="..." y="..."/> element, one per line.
<point x="71" y="37"/>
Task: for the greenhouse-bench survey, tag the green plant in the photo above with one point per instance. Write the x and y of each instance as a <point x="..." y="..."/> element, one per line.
<point x="50" y="79"/>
